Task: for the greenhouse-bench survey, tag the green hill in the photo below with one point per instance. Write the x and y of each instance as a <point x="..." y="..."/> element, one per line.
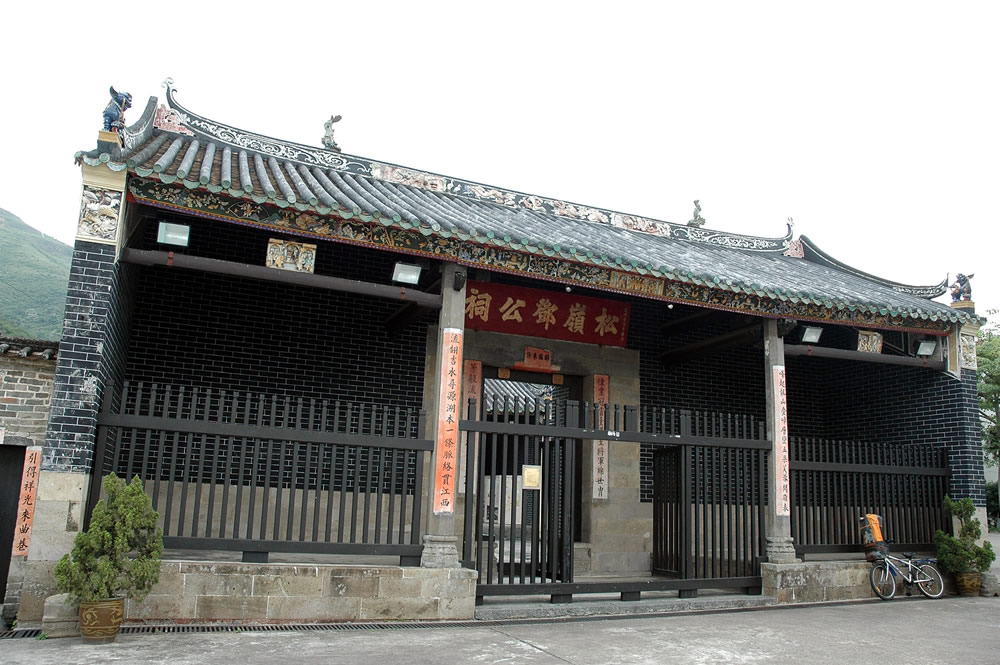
<point x="34" y="272"/>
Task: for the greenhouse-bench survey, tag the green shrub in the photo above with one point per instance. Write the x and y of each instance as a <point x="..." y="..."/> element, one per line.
<point x="119" y="554"/>
<point x="961" y="554"/>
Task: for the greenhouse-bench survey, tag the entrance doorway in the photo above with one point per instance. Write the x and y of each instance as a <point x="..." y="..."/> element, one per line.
<point x="533" y="388"/>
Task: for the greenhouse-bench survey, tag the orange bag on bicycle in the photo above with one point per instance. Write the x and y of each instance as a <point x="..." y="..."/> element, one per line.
<point x="871" y="536"/>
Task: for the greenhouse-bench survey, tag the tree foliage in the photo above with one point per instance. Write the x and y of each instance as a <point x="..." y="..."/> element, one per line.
<point x="119" y="553"/>
<point x="988" y="385"/>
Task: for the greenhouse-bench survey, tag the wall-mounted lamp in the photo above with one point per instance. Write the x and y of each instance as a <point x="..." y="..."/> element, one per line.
<point x="173" y="234"/>
<point x="406" y="273"/>
<point x="927" y="347"/>
<point x="811" y="334"/>
<point x="459" y="280"/>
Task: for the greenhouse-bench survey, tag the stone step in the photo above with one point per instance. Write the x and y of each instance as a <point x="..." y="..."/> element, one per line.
<point x="538" y="607"/>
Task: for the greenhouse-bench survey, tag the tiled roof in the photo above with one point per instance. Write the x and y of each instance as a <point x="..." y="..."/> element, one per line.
<point x="179" y="148"/>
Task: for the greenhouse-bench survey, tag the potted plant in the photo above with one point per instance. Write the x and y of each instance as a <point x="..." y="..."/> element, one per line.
<point x="118" y="556"/>
<point x="960" y="554"/>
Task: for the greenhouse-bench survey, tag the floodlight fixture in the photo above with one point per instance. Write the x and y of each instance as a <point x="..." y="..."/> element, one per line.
<point x="173" y="234"/>
<point x="811" y="334"/>
<point x="406" y="273"/>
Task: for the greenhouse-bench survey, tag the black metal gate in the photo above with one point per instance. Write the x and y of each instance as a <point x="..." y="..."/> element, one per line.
<point x="519" y="510"/>
<point x="709" y="492"/>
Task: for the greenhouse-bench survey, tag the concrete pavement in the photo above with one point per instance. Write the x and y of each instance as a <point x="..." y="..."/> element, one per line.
<point x="914" y="631"/>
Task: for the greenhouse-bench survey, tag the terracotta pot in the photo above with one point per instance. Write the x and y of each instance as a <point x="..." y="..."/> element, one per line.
<point x="968" y="583"/>
<point x="101" y="619"/>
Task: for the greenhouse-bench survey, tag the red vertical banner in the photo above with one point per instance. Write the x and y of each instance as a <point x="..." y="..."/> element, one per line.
<point x="446" y="446"/>
<point x="26" y="501"/>
<point x="601" y="458"/>
<point x="781" y="441"/>
<point x="472" y="388"/>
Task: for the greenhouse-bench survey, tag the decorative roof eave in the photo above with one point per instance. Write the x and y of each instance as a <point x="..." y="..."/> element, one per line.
<point x="311" y="156"/>
<point x="529" y="258"/>
<point x="816" y="255"/>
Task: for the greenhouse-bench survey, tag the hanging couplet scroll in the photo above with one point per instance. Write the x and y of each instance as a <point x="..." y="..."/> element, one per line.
<point x="781" y="441"/>
<point x="446" y="446"/>
<point x="601" y="457"/>
<point x="472" y="388"/>
<point x="26" y="501"/>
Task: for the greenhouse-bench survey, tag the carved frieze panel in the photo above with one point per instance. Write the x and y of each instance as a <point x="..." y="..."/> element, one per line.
<point x="869" y="342"/>
<point x="968" y="351"/>
<point x="288" y="255"/>
<point x="100" y="214"/>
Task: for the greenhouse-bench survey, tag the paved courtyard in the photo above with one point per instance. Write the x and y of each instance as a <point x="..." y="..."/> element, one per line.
<point x="911" y="631"/>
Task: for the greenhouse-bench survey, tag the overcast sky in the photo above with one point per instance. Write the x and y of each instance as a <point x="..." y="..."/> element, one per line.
<point x="875" y="125"/>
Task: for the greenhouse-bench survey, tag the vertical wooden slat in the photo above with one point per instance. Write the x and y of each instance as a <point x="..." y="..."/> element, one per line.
<point x="131" y="449"/>
<point x="213" y="475"/>
<point x="380" y="475"/>
<point x="331" y="451"/>
<point x="160" y="456"/>
<point x="365" y="535"/>
<point x="342" y="510"/>
<point x="321" y="450"/>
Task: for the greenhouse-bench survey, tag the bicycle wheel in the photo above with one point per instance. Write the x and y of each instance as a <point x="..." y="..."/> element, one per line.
<point x="883" y="583"/>
<point x="933" y="586"/>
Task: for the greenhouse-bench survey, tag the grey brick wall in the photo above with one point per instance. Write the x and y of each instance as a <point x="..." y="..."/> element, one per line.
<point x="25" y="390"/>
<point x="79" y="378"/>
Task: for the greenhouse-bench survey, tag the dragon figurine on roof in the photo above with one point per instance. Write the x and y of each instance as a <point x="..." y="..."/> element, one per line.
<point x="114" y="112"/>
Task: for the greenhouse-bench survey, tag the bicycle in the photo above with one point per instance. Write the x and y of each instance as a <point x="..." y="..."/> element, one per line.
<point x="922" y="572"/>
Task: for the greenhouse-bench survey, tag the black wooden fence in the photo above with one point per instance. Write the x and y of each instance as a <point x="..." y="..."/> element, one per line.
<point x="709" y="495"/>
<point x="230" y="470"/>
<point x="834" y="483"/>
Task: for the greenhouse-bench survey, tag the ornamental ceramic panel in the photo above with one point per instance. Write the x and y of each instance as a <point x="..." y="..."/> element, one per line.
<point x="100" y="213"/>
<point x="969" y="351"/>
<point x="287" y="255"/>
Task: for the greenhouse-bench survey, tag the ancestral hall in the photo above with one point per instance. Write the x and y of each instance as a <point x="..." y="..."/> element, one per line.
<point x="443" y="391"/>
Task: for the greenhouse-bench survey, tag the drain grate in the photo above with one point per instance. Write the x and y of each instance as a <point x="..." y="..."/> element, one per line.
<point x="168" y="628"/>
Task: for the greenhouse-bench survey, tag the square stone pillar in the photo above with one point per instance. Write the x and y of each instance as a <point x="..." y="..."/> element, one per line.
<point x="445" y="411"/>
<point x="780" y="548"/>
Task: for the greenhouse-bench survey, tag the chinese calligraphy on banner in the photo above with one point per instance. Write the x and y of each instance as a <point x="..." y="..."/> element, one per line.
<point x="472" y="388"/>
<point x="781" y="441"/>
<point x="26" y="502"/>
<point x="601" y="447"/>
<point x="449" y="414"/>
<point x="523" y="311"/>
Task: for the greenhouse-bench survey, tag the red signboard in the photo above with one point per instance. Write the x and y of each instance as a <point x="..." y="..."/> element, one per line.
<point x="26" y="502"/>
<point x="522" y="311"/>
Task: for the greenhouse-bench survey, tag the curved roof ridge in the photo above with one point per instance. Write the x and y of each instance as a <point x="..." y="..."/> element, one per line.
<point x="401" y="175"/>
<point x="814" y="254"/>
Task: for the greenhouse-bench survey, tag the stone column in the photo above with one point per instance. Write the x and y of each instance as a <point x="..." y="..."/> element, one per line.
<point x="445" y="411"/>
<point x="79" y="381"/>
<point x="780" y="548"/>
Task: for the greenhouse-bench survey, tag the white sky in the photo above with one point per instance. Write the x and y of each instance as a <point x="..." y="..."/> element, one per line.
<point x="875" y="125"/>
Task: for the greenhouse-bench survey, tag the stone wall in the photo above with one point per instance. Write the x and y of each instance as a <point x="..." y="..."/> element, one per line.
<point x="25" y="392"/>
<point x="305" y="593"/>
